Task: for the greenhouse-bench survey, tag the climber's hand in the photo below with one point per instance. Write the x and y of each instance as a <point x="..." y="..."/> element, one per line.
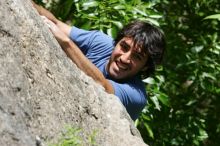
<point x="60" y="36"/>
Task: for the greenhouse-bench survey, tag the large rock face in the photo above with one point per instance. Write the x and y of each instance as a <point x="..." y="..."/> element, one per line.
<point x="41" y="90"/>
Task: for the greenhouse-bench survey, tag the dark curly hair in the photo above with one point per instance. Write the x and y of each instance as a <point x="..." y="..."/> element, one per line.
<point x="149" y="38"/>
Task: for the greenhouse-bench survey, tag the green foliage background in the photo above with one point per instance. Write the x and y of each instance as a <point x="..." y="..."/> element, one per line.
<point x="184" y="95"/>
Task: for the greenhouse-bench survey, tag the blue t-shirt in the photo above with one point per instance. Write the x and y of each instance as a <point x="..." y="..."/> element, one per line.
<point x="97" y="47"/>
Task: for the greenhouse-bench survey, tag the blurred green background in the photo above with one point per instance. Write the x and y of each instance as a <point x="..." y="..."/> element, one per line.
<point x="184" y="94"/>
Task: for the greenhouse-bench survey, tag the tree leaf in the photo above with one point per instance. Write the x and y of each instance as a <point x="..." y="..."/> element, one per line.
<point x="139" y="11"/>
<point x="215" y="16"/>
<point x="89" y="4"/>
<point x="149" y="80"/>
<point x="119" y="7"/>
<point x="149" y="130"/>
<point x="164" y="99"/>
<point x="118" y="24"/>
<point x="153" y="21"/>
<point x="208" y="75"/>
<point x="156" y="16"/>
<point x="197" y="49"/>
<point x="156" y="102"/>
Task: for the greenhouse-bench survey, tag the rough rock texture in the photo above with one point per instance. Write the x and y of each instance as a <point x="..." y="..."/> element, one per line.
<point x="41" y="90"/>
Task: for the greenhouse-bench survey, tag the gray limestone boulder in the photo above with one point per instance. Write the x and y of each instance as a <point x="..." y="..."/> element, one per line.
<point x="42" y="91"/>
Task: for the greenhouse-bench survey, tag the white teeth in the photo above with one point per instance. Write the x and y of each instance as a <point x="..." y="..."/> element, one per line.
<point x="122" y="67"/>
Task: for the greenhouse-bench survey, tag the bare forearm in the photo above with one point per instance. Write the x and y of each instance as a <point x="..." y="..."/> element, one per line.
<point x="61" y="25"/>
<point x="45" y="12"/>
<point x="75" y="54"/>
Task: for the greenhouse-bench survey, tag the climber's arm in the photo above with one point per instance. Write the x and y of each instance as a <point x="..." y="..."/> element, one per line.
<point x="85" y="65"/>
<point x="75" y="54"/>
<point x="61" y="25"/>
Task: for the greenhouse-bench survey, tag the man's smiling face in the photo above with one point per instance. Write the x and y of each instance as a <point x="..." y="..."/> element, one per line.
<point x="126" y="59"/>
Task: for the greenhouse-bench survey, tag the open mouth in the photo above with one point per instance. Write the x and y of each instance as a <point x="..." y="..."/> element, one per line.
<point x="121" y="66"/>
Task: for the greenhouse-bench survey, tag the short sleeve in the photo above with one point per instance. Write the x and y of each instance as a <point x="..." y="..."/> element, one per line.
<point x="132" y="95"/>
<point x="81" y="38"/>
<point x="95" y="45"/>
<point x="94" y="41"/>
